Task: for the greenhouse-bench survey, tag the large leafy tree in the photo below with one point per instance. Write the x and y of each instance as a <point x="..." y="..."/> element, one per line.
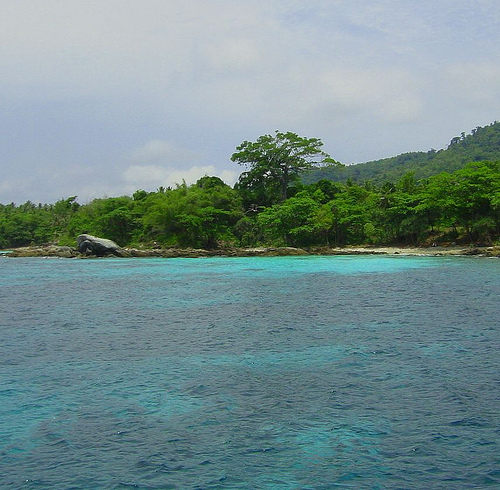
<point x="274" y="162"/>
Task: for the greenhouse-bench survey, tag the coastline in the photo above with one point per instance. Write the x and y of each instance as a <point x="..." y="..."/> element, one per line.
<point x="71" y="252"/>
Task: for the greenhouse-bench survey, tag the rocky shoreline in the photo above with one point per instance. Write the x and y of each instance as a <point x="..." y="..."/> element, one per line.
<point x="71" y="252"/>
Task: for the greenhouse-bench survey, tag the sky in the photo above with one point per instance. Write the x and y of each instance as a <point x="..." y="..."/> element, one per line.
<point x="100" y="98"/>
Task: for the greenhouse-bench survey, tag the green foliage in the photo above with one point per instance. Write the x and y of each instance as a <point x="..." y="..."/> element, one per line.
<point x="25" y="224"/>
<point x="248" y="231"/>
<point x="351" y="210"/>
<point x="201" y="215"/>
<point x="274" y="163"/>
<point x="471" y="200"/>
<point x="269" y="206"/>
<point x="482" y="144"/>
<point x="111" y="218"/>
<point x="290" y="223"/>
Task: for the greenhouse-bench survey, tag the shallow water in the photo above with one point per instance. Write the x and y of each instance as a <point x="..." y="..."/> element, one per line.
<point x="287" y="372"/>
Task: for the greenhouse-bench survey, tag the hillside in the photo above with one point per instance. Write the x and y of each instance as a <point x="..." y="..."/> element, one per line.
<point x="482" y="144"/>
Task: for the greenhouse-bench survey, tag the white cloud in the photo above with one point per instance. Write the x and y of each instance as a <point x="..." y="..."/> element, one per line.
<point x="161" y="151"/>
<point x="174" y="86"/>
<point x="477" y="83"/>
<point x="119" y="48"/>
<point x="232" y="55"/>
<point x="154" y="176"/>
<point x="164" y="163"/>
<point x="390" y="96"/>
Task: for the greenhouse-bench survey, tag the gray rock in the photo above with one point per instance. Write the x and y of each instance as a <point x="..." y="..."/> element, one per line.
<point x="98" y="246"/>
<point x="44" y="251"/>
<point x="63" y="252"/>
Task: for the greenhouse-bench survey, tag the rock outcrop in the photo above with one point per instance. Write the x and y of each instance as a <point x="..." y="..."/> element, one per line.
<point x="89" y="244"/>
<point x="44" y="251"/>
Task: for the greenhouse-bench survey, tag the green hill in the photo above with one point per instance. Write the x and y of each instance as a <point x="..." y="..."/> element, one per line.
<point x="482" y="144"/>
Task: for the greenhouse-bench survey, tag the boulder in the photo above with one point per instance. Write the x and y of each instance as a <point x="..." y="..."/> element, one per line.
<point x="98" y="246"/>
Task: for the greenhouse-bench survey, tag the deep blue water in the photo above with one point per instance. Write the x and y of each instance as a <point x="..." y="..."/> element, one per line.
<point x="273" y="373"/>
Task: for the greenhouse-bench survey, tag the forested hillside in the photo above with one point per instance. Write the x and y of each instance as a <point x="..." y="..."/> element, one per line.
<point x="482" y="144"/>
<point x="270" y="206"/>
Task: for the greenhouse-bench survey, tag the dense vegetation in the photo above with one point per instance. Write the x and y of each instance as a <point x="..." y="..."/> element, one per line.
<point x="482" y="144"/>
<point x="461" y="206"/>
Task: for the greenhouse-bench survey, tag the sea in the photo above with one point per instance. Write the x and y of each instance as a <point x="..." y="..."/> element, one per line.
<point x="377" y="372"/>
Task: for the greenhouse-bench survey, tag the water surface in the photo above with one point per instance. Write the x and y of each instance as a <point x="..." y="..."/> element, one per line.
<point x="286" y="372"/>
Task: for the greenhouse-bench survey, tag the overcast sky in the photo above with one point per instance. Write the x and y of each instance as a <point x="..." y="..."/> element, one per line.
<point x="104" y="97"/>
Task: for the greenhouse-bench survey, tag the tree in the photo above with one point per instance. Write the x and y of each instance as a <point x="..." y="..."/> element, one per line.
<point x="274" y="163"/>
<point x="292" y="222"/>
<point x="199" y="215"/>
<point x="61" y="212"/>
<point x="475" y="188"/>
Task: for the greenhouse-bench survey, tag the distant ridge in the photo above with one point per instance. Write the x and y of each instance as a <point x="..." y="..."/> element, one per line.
<point x="482" y="144"/>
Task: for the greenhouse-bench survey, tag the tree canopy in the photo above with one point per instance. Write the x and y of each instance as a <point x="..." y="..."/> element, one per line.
<point x="275" y="162"/>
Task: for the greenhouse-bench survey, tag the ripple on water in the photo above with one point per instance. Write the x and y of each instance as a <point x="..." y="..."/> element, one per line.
<point x="316" y="372"/>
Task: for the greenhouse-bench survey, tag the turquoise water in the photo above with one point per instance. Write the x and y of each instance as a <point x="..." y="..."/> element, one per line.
<point x="286" y="373"/>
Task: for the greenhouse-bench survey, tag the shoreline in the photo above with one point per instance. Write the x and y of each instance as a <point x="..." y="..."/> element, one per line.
<point x="71" y="252"/>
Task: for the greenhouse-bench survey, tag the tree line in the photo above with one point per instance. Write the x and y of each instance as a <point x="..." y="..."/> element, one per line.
<point x="270" y="205"/>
